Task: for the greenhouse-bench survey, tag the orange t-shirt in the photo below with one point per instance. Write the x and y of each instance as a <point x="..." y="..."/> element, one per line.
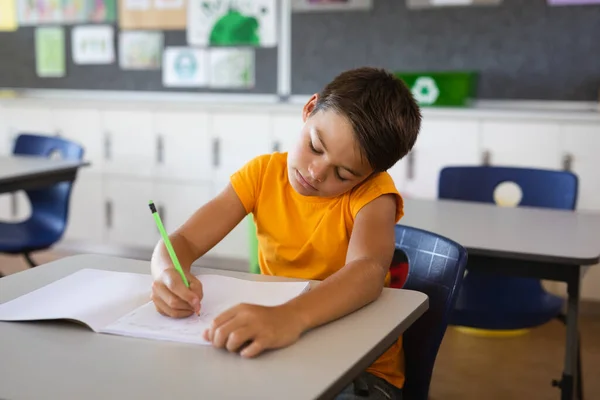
<point x="307" y="237"/>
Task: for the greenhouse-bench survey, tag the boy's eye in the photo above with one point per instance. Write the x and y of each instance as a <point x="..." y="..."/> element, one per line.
<point x="337" y="174"/>
<point x="312" y="147"/>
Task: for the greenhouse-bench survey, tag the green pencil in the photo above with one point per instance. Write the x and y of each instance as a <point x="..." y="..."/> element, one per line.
<point x="167" y="242"/>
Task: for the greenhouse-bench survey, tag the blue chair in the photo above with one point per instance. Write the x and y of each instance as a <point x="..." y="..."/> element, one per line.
<point x="503" y="303"/>
<point x="436" y="267"/>
<point x="50" y="206"/>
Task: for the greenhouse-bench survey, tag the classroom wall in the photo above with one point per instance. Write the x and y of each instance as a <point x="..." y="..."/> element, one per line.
<point x="524" y="49"/>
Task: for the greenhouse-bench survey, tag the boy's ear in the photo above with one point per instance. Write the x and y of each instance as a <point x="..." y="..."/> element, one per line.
<point x="309" y="106"/>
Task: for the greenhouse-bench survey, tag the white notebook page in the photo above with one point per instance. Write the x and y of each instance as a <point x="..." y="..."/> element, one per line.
<point x="94" y="297"/>
<point x="220" y="294"/>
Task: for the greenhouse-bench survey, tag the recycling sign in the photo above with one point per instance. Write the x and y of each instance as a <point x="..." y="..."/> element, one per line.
<point x="425" y="90"/>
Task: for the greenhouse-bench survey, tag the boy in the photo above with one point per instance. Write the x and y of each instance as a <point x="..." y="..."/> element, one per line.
<point x="324" y="211"/>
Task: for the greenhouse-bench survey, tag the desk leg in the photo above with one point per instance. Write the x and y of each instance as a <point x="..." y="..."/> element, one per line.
<point x="571" y="352"/>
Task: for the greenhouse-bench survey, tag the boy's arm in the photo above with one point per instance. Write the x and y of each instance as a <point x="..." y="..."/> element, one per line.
<point x="361" y="280"/>
<point x="203" y="230"/>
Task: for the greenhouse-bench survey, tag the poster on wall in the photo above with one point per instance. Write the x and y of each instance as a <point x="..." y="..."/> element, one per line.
<point x="231" y="68"/>
<point x="331" y="5"/>
<point x="93" y="44"/>
<point x="50" y="52"/>
<point x="450" y="3"/>
<point x="153" y="14"/>
<point x="140" y="50"/>
<point x="185" y="67"/>
<point x="101" y="11"/>
<point x="232" y="23"/>
<point x="8" y="15"/>
<point x="35" y="12"/>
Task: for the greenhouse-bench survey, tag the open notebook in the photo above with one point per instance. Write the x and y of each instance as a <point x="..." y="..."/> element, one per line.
<point x="118" y="303"/>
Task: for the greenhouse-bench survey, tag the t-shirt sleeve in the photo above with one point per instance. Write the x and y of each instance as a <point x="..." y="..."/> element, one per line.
<point x="247" y="181"/>
<point x="373" y="188"/>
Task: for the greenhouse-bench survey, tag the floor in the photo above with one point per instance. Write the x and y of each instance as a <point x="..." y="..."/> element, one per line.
<point x="474" y="368"/>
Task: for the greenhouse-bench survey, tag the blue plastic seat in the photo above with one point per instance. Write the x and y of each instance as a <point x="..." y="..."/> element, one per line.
<point x="494" y="302"/>
<point x="49" y="206"/>
<point x="436" y="267"/>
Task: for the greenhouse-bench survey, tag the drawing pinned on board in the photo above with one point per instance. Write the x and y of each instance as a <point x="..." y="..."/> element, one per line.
<point x="232" y="23"/>
<point x="50" y="52"/>
<point x="331" y="5"/>
<point x="231" y="68"/>
<point x="93" y="44"/>
<point x="8" y="15"/>
<point x="74" y="11"/>
<point x="35" y="12"/>
<point x="185" y="67"/>
<point x="572" y="2"/>
<point x="140" y="50"/>
<point x="101" y="11"/>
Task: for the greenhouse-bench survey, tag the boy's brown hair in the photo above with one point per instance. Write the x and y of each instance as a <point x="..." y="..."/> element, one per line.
<point x="384" y="115"/>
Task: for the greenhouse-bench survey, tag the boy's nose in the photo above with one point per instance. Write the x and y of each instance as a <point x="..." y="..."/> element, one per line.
<point x="317" y="172"/>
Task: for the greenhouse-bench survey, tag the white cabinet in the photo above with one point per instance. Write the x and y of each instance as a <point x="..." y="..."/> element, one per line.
<point x="235" y="244"/>
<point x="129" y="144"/>
<point x="183" y="146"/>
<point x="177" y="202"/>
<point x="83" y="126"/>
<point x="522" y="143"/>
<point x="441" y="143"/>
<point x="581" y="144"/>
<point x="29" y="119"/>
<point x="237" y="138"/>
<point x="86" y="219"/>
<point x="129" y="221"/>
<point x="286" y="131"/>
<point x="5" y="142"/>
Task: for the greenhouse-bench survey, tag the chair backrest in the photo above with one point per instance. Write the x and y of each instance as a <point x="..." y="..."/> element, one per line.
<point x="49" y="204"/>
<point x="436" y="267"/>
<point x="539" y="187"/>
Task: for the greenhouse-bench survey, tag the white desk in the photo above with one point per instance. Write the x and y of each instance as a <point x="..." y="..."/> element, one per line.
<point x="538" y="243"/>
<point x="28" y="172"/>
<point x="54" y="360"/>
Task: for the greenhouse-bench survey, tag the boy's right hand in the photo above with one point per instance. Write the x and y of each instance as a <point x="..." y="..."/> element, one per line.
<point x="172" y="298"/>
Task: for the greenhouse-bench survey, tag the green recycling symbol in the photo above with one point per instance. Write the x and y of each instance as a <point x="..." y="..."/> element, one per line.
<point x="425" y="90"/>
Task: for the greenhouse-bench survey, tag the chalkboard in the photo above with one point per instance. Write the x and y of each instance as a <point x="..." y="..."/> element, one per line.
<point x="523" y="49"/>
<point x="17" y="68"/>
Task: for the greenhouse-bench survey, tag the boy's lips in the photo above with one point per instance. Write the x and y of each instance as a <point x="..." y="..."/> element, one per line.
<point x="304" y="182"/>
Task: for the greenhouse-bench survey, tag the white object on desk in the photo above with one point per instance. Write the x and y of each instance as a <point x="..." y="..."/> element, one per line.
<point x="117" y="303"/>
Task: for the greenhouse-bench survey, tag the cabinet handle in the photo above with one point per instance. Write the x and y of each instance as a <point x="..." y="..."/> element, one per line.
<point x="486" y="158"/>
<point x="216" y="152"/>
<point x="14" y="205"/>
<point x="410" y="165"/>
<point x="159" y="149"/>
<point x="568" y="162"/>
<point x="108" y="213"/>
<point x="107" y="146"/>
<point x="276" y="146"/>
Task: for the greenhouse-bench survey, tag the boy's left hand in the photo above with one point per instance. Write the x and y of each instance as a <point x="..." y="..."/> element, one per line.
<point x="257" y="327"/>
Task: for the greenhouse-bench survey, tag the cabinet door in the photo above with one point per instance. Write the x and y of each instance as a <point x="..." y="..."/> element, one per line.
<point x="129" y="221"/>
<point x="5" y="139"/>
<point x="183" y="146"/>
<point x="286" y="130"/>
<point x="86" y="222"/>
<point x="83" y="126"/>
<point x="580" y="148"/>
<point x="235" y="245"/>
<point x="129" y="145"/>
<point x="522" y="143"/>
<point x="177" y="202"/>
<point x="441" y="143"/>
<point x="28" y="119"/>
<point x="237" y="138"/>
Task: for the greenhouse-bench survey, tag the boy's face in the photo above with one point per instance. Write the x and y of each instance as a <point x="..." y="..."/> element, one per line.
<point x="326" y="161"/>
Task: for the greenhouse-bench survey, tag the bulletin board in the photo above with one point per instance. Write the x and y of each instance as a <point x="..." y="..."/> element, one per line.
<point x="141" y="45"/>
